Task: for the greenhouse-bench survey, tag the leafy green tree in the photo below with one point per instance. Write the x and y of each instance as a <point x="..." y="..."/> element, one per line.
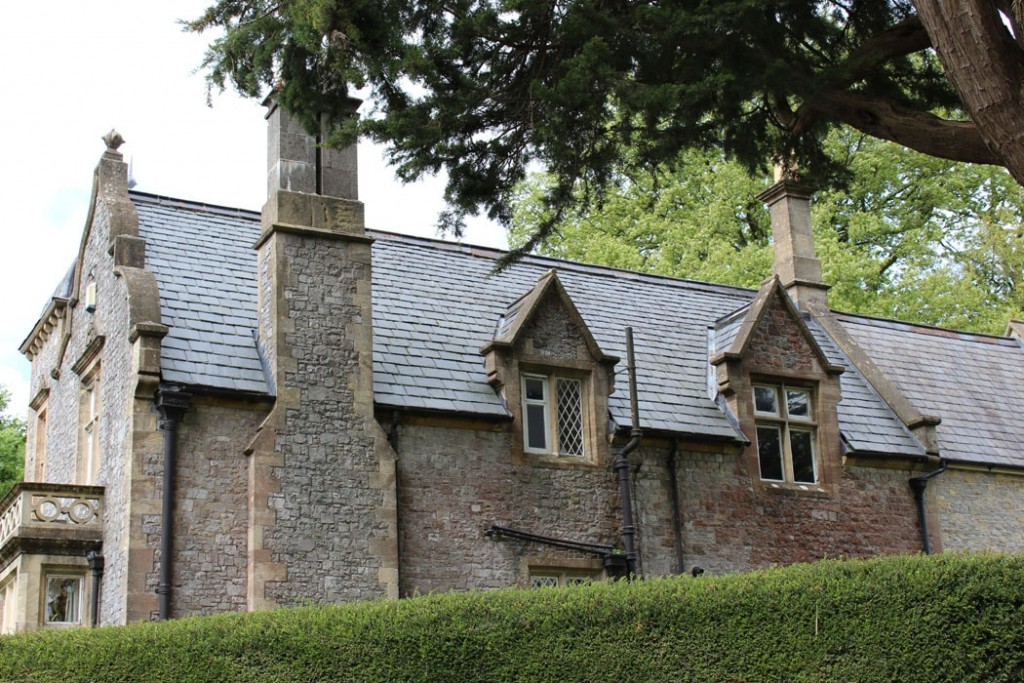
<point x="485" y="89"/>
<point x="911" y="237"/>
<point x="12" y="445"/>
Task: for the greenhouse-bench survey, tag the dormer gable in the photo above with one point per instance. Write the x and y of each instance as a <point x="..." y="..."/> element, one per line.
<point x="553" y="376"/>
<point x="773" y="336"/>
<point x="545" y="322"/>
<point x="775" y="380"/>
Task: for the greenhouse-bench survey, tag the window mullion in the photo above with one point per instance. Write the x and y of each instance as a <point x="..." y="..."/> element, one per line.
<point x="552" y="420"/>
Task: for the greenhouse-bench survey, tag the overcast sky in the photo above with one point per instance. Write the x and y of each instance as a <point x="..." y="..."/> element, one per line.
<point x="77" y="68"/>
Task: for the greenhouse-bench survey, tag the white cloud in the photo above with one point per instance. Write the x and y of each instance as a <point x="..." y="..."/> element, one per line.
<point x="75" y="70"/>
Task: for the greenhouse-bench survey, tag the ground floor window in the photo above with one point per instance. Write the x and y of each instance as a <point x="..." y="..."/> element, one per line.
<point x="554" y="578"/>
<point x="63" y="599"/>
<point x="9" y="605"/>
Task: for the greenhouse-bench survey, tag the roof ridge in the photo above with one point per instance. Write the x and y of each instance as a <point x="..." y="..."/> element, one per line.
<point x="930" y="330"/>
<point x="493" y="253"/>
<point x="164" y="200"/>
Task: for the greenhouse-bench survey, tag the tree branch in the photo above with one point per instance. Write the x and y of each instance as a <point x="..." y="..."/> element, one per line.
<point x="905" y="38"/>
<point x="986" y="65"/>
<point x="921" y="131"/>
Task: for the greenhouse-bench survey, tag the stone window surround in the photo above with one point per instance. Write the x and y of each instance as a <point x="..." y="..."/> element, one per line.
<point x="564" y="569"/>
<point x="827" y="455"/>
<point x="552" y="432"/>
<point x="9" y="596"/>
<point x="60" y="572"/>
<point x="786" y="423"/>
<point x="512" y="393"/>
<point x="90" y="414"/>
<point x="35" y="452"/>
<point x="39" y="453"/>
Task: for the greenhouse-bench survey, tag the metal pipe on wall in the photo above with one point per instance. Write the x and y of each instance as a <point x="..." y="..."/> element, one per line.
<point x="919" y="486"/>
<point x="172" y="403"/>
<point x="622" y="463"/>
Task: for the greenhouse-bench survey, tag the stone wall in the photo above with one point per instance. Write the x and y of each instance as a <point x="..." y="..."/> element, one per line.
<point x="322" y="475"/>
<point x="87" y="344"/>
<point x="456" y="480"/>
<point x="326" y="508"/>
<point x="117" y="389"/>
<point x="553" y="334"/>
<point x="211" y="516"/>
<point x="778" y="343"/>
<point x="731" y="524"/>
<point x="980" y="510"/>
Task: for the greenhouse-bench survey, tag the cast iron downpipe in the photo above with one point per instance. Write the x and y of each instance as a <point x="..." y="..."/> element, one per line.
<point x="677" y="515"/>
<point x="172" y="403"/>
<point x="622" y="464"/>
<point x="96" y="563"/>
<point x="919" y="485"/>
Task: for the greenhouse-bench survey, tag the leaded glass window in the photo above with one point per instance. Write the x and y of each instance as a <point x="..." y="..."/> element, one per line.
<point x="553" y="421"/>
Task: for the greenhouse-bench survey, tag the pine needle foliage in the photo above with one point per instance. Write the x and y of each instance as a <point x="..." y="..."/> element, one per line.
<point x="486" y="90"/>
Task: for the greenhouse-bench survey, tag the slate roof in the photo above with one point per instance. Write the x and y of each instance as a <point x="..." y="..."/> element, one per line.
<point x="974" y="382"/>
<point x="205" y="266"/>
<point x="435" y="304"/>
<point x="443" y="298"/>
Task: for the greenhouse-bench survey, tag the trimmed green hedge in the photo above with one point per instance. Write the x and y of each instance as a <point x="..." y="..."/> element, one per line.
<point x="938" y="618"/>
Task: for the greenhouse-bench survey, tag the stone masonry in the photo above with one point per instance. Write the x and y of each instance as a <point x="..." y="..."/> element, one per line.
<point x="979" y="510"/>
<point x="322" y="503"/>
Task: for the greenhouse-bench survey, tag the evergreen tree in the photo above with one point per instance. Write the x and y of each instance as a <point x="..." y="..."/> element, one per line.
<point x="483" y="89"/>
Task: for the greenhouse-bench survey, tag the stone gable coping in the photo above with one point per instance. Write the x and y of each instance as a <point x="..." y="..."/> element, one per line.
<point x="769" y="288"/>
<point x="1015" y="329"/>
<point x="921" y="425"/>
<point x="522" y="311"/>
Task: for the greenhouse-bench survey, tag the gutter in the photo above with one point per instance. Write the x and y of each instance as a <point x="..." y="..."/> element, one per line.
<point x="172" y="403"/>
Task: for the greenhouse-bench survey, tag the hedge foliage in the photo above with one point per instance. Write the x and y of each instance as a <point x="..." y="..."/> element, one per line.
<point x="938" y="618"/>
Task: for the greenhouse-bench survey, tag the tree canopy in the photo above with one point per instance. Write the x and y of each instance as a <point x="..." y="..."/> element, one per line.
<point x="12" y="445"/>
<point x="485" y="89"/>
<point x="911" y="237"/>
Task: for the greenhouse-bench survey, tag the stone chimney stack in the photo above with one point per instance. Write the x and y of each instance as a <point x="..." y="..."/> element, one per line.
<point x="795" y="262"/>
<point x="322" y="497"/>
<point x="296" y="162"/>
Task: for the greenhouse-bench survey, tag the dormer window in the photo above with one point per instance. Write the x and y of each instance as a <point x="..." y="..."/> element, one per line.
<point x="553" y="377"/>
<point x="553" y="415"/>
<point x="786" y="431"/>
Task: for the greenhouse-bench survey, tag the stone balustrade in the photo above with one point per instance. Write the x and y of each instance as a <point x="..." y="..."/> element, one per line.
<point x="57" y="513"/>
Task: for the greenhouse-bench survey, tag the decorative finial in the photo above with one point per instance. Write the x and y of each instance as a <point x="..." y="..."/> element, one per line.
<point x="113" y="140"/>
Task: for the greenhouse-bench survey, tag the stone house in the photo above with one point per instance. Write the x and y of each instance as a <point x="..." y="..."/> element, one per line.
<point x="239" y="411"/>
